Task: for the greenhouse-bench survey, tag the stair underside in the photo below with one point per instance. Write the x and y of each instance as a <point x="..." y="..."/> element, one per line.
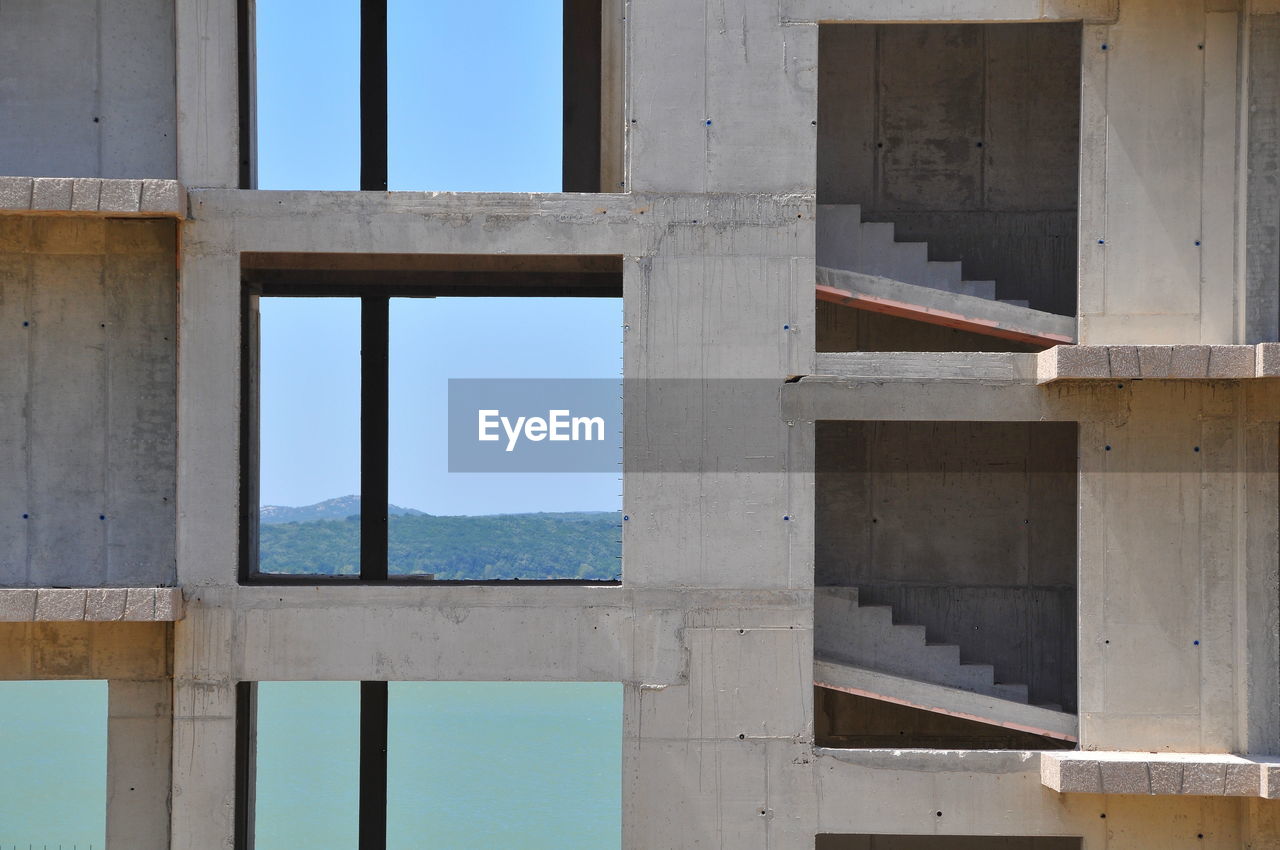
<point x="948" y="309"/>
<point x="837" y="675"/>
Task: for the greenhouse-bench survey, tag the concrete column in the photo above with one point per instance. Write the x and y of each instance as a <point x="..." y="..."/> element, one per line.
<point x="1158" y="176"/>
<point x="208" y="97"/>
<point x="139" y="758"/>
<point x="1160" y="508"/>
<point x="208" y="368"/>
<point x="204" y="732"/>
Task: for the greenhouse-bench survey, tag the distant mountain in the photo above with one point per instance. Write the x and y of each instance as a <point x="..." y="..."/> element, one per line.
<point x="339" y="508"/>
<point x="582" y="546"/>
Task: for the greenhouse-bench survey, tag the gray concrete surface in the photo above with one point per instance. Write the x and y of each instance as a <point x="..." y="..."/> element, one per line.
<point x="88" y="422"/>
<point x="89" y="89"/>
<point x="1162" y="774"/>
<point x="1170" y="562"/>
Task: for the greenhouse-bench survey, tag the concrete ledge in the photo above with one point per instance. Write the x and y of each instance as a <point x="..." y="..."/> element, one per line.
<point x="839" y="676"/>
<point x="94" y="604"/>
<point x="1161" y="774"/>
<point x="87" y="195"/>
<point x="1136" y="362"/>
<point x="946" y="309"/>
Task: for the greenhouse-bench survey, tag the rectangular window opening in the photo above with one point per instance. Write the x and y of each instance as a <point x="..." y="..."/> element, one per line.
<point x="365" y="396"/>
<point x="488" y="96"/>
<point x="413" y="765"/>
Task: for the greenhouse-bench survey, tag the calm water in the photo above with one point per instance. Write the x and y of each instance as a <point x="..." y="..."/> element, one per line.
<point x="53" y="748"/>
<point x="470" y="765"/>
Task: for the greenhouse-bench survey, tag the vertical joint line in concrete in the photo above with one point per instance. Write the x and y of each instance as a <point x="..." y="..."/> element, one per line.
<point x="374" y="343"/>
<point x="373" y="95"/>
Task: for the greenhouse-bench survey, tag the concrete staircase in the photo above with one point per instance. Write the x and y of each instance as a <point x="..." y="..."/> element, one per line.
<point x="860" y="649"/>
<point x="847" y="242"/>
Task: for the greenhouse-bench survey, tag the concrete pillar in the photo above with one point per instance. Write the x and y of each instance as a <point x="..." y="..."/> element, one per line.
<point x="1158" y="195"/>
<point x="208" y="97"/>
<point x="1161" y="503"/>
<point x="204" y="732"/>
<point x="139" y="732"/>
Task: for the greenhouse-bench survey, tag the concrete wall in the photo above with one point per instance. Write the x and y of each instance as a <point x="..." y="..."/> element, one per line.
<point x="87" y="434"/>
<point x="711" y="630"/>
<point x="966" y="528"/>
<point x="1160" y="154"/>
<point x="964" y="136"/>
<point x="88" y="88"/>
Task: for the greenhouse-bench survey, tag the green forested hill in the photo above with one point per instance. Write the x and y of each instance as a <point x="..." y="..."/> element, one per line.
<point x="502" y="546"/>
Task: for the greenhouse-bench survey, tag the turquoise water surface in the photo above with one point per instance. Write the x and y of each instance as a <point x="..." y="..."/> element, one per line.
<point x="470" y="765"/>
<point x="53" y="748"/>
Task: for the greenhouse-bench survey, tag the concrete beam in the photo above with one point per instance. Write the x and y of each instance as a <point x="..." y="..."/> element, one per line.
<point x="944" y="11"/>
<point x="1161" y="774"/>
<point x="912" y="366"/>
<point x="916" y="399"/>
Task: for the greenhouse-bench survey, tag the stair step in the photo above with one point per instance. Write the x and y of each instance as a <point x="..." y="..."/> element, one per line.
<point x="979" y="289"/>
<point x="877" y="252"/>
<point x="1012" y="692"/>
<point x="911" y="262"/>
<point x="946" y="276"/>
<point x="839" y="235"/>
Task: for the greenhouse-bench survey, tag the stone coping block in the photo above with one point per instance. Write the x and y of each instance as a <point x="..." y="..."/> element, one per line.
<point x="93" y="195"/>
<point x="1161" y="774"/>
<point x="1168" y="362"/>
<point x="93" y="604"/>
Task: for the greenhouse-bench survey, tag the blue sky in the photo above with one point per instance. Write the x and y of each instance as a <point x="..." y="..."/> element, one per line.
<point x="474" y="104"/>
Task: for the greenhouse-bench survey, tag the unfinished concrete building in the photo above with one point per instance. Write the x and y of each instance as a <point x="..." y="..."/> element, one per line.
<point x="969" y="537"/>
